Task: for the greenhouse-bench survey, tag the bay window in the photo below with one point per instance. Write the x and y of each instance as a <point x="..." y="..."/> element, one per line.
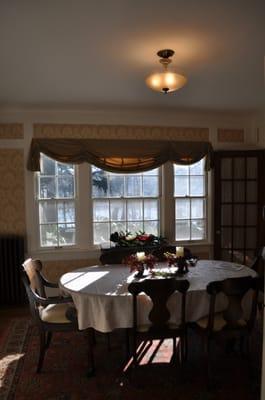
<point x="117" y="202"/>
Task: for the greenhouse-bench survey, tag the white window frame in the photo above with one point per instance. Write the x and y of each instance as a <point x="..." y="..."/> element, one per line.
<point x="207" y="210"/>
<point x="128" y="198"/>
<point x="38" y="201"/>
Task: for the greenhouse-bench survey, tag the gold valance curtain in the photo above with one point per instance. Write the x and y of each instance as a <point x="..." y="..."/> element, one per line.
<point x="120" y="155"/>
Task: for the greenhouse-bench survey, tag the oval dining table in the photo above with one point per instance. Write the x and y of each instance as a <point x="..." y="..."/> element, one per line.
<point x="103" y="302"/>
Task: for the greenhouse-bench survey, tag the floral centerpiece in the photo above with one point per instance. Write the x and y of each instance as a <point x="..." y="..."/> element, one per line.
<point x="140" y="261"/>
<point x="178" y="259"/>
<point x="128" y="239"/>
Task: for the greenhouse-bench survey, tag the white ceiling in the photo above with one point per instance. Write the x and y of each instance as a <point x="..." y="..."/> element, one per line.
<point x="98" y="53"/>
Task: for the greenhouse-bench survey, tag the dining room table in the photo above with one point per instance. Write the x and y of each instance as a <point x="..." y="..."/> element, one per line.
<point x="101" y="297"/>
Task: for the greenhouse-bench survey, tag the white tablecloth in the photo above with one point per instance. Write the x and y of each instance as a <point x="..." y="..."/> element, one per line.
<point x="102" y="300"/>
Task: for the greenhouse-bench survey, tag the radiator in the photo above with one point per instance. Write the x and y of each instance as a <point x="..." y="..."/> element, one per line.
<point x="11" y="257"/>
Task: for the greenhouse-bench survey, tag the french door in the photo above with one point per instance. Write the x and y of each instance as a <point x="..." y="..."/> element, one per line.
<point x="239" y="210"/>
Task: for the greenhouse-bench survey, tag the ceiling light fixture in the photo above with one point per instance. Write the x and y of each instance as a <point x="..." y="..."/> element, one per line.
<point x="166" y="81"/>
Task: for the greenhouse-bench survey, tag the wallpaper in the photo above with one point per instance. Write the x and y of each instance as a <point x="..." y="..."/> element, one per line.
<point x="12" y="196"/>
<point x="11" y="131"/>
<point x="230" y="135"/>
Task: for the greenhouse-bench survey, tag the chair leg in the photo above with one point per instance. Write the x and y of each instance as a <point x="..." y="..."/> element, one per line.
<point x="91" y="368"/>
<point x="49" y="338"/>
<point x="42" y="350"/>
<point x="183" y="347"/>
<point x="174" y="344"/>
<point x="127" y="341"/>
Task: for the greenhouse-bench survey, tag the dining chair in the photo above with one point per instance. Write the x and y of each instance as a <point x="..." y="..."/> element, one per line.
<point x="159" y="326"/>
<point x="231" y="323"/>
<point x="50" y="314"/>
<point x="258" y="265"/>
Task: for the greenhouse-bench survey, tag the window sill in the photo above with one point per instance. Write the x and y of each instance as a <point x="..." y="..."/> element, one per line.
<point x="73" y="253"/>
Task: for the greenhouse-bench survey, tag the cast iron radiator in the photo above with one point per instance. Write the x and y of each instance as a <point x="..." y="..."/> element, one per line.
<point x="11" y="257"/>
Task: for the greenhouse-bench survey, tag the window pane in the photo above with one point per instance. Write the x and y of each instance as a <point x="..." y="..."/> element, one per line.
<point x="197" y="168"/>
<point x="66" y="234"/>
<point x="152" y="172"/>
<point x="182" y="208"/>
<point x="66" y="186"/>
<point x="197" y="229"/>
<point x="135" y="226"/>
<point x="239" y="191"/>
<point x="117" y="210"/>
<point x="226" y="214"/>
<point x="101" y="210"/>
<point x="183" y="230"/>
<point x="134" y="186"/>
<point x="134" y="210"/>
<point x="66" y="211"/>
<point x="150" y="210"/>
<point x="150" y="186"/>
<point x="181" y="170"/>
<point x="226" y="168"/>
<point x="118" y="227"/>
<point x="197" y="208"/>
<point x="239" y="168"/>
<point x="101" y="233"/>
<point x="48" y="211"/>
<point x="252" y="168"/>
<point x="47" y="188"/>
<point x="239" y="215"/>
<point x="65" y="169"/>
<point x="151" y="227"/>
<point x="48" y="235"/>
<point x="226" y="191"/>
<point x="197" y="186"/>
<point x="99" y="183"/>
<point x="116" y="186"/>
<point x="47" y="165"/>
<point x="252" y="191"/>
<point x="181" y="186"/>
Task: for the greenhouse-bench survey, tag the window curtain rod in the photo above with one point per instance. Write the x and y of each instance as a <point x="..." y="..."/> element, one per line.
<point x="120" y="155"/>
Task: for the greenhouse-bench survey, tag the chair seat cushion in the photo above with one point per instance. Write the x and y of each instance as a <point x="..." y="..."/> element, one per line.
<point x="219" y="322"/>
<point x="55" y="313"/>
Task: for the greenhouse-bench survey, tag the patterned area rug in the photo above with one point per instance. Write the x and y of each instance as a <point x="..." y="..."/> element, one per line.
<point x="64" y="372"/>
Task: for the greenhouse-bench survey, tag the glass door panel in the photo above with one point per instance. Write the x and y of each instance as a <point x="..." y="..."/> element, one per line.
<point x="238" y="229"/>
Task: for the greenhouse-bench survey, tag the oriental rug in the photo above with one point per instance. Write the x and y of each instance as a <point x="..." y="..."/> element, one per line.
<point x="65" y="366"/>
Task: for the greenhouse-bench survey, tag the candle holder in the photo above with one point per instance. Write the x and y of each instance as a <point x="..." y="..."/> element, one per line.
<point x="140" y="262"/>
<point x="177" y="261"/>
<point x="182" y="265"/>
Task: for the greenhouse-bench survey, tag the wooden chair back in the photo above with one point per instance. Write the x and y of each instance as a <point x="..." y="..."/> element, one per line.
<point x="258" y="265"/>
<point x="159" y="291"/>
<point x="234" y="289"/>
<point x="33" y="270"/>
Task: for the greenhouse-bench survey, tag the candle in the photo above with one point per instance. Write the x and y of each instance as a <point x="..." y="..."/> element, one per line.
<point x="140" y="255"/>
<point x="180" y="251"/>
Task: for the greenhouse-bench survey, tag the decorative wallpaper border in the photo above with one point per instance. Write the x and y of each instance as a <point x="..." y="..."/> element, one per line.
<point x="11" y="131"/>
<point x="79" y="131"/>
<point x="230" y="135"/>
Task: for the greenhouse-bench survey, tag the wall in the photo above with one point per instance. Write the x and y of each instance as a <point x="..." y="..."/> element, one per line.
<point x="223" y="130"/>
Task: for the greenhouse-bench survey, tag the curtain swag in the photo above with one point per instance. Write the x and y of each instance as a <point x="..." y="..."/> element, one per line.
<point x="120" y="155"/>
